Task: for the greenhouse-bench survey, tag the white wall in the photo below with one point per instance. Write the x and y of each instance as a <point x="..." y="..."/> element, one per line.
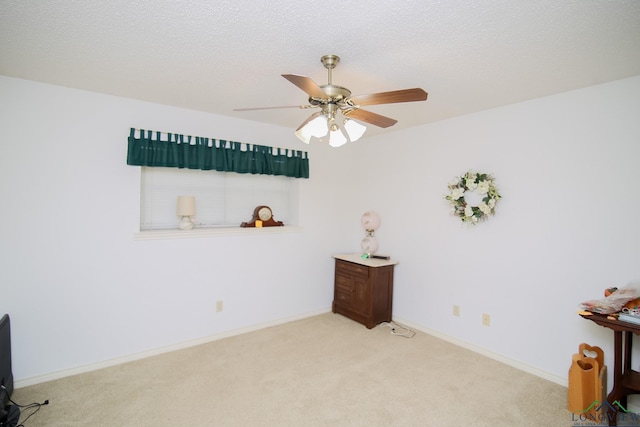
<point x="568" y="167"/>
<point x="81" y="290"/>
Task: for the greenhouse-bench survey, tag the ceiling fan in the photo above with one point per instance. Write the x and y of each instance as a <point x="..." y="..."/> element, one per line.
<point x="338" y="107"/>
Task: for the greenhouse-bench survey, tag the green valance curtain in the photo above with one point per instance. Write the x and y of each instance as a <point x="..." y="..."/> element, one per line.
<point x="184" y="151"/>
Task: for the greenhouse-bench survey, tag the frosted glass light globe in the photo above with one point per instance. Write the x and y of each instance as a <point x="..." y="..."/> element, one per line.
<point x="370" y="221"/>
<point x="369" y="244"/>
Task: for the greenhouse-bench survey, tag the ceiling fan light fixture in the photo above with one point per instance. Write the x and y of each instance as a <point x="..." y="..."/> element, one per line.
<point x="338" y="132"/>
<point x="317" y="127"/>
<point x="337" y="138"/>
<point x="302" y="136"/>
<point x="354" y="129"/>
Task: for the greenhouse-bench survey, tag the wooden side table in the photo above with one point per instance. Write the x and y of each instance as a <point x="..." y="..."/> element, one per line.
<point x="626" y="381"/>
<point x="363" y="289"/>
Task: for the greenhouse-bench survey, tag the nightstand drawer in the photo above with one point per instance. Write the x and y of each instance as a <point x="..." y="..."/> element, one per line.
<point x="344" y="295"/>
<point x="351" y="269"/>
<point x="344" y="282"/>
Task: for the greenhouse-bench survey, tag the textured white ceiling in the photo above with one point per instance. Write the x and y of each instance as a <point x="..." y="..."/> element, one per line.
<point x="215" y="56"/>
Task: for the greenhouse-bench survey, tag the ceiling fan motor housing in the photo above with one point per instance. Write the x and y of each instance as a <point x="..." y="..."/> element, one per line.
<point x="335" y="95"/>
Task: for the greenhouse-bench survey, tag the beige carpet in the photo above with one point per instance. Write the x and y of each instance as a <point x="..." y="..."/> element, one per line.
<point x="322" y="371"/>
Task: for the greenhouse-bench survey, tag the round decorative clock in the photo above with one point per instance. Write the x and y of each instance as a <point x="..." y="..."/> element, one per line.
<point x="264" y="213"/>
<point x="262" y="217"/>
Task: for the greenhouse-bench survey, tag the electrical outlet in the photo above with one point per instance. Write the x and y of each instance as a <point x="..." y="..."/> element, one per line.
<point x="486" y="319"/>
<point x="456" y="310"/>
<point x="218" y="306"/>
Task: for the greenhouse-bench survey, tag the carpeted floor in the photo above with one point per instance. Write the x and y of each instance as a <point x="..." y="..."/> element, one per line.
<point x="321" y="371"/>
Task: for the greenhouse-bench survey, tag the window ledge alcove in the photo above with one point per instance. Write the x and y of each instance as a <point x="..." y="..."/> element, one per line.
<point x="211" y="232"/>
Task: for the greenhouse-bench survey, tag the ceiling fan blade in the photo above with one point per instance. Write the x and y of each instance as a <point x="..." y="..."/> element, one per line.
<point x="404" y="95"/>
<point x="274" y="108"/>
<point x="369" y="117"/>
<point x="306" y="84"/>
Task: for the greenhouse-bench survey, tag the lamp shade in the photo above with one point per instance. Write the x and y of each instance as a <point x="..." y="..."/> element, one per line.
<point x="317" y="127"/>
<point x="186" y="206"/>
<point x="354" y="129"/>
<point x="337" y="138"/>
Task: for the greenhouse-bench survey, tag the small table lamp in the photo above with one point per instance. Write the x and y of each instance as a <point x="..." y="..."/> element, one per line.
<point x="186" y="209"/>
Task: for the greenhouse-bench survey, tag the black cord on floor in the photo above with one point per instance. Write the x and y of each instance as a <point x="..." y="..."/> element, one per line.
<point x="35" y="405"/>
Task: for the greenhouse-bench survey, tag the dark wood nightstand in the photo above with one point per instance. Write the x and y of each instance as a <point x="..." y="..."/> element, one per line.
<point x="363" y="289"/>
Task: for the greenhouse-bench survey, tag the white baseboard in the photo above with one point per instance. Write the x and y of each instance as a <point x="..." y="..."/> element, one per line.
<point x="500" y="358"/>
<point x="154" y="352"/>
<point x="179" y="346"/>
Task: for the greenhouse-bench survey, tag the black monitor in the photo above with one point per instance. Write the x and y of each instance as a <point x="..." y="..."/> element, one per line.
<point x="6" y="372"/>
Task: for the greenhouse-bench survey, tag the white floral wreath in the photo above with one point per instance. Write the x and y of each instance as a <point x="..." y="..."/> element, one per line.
<point x="481" y="183"/>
